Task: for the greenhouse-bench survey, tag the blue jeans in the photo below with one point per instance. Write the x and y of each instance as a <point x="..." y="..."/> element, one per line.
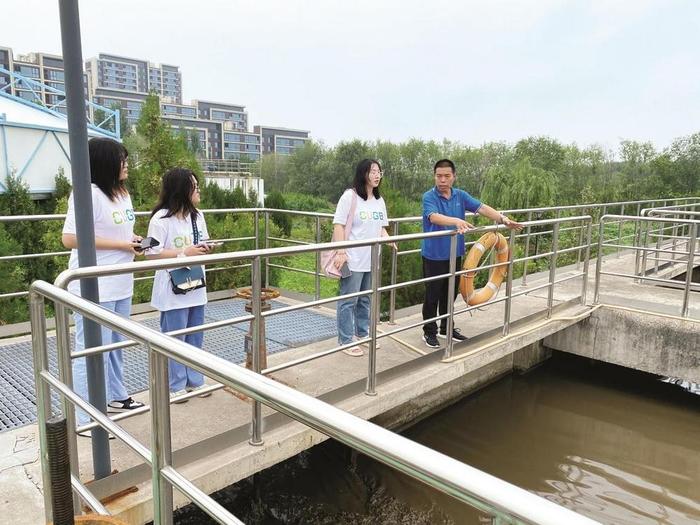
<point x="113" y="360"/>
<point x="179" y="375"/>
<point x="353" y="313"/>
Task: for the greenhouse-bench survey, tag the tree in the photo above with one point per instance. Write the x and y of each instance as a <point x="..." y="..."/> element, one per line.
<point x="522" y="186"/>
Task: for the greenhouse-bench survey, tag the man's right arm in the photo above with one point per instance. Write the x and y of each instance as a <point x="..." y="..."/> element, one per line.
<point x="443" y="220"/>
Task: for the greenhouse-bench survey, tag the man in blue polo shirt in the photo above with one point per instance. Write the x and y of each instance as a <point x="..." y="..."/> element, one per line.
<point x="444" y="208"/>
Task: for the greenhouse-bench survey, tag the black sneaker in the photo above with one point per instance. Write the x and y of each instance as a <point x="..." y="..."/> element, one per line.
<point x="456" y="335"/>
<point x="123" y="405"/>
<point x="431" y="340"/>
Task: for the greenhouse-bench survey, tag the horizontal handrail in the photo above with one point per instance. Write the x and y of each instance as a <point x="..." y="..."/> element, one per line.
<point x="437" y="470"/>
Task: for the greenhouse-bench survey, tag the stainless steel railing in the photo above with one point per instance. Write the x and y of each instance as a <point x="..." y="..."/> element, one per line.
<point x="682" y="244"/>
<point x="505" y="502"/>
<point x="265" y="239"/>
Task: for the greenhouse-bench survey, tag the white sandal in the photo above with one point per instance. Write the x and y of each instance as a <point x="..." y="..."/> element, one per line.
<point x="354" y="351"/>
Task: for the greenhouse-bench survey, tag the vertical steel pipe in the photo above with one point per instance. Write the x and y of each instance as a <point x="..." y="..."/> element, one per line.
<point x="374" y="320"/>
<point x="451" y="297"/>
<point x="256" y="300"/>
<point x="527" y="247"/>
<point x="692" y="241"/>
<point x="509" y="283"/>
<point x="552" y="269"/>
<point x="394" y="261"/>
<point x="317" y="277"/>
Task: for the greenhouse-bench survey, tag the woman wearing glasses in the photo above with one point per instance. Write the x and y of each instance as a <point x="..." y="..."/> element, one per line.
<point x="115" y="243"/>
<point x="179" y="226"/>
<point x="360" y="215"/>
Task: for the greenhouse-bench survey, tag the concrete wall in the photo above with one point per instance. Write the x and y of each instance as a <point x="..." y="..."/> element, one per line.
<point x="648" y="342"/>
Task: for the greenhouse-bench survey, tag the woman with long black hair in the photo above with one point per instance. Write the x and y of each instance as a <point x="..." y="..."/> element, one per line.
<point x="181" y="230"/>
<point x="115" y="243"/>
<point x="360" y="215"/>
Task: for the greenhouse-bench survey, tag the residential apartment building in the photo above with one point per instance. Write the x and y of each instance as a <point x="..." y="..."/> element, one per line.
<point x="282" y="141"/>
<point x="46" y="69"/>
<point x="111" y="80"/>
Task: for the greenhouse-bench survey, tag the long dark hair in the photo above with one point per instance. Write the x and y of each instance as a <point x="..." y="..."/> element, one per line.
<point x="106" y="157"/>
<point x="359" y="183"/>
<point x="176" y="193"/>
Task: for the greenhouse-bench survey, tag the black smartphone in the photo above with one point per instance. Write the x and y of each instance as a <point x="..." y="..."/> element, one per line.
<point x="146" y="243"/>
<point x="345" y="271"/>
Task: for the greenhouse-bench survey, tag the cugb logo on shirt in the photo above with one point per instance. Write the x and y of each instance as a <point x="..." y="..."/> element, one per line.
<point x="120" y="217"/>
<point x="371" y="215"/>
<point x="183" y="240"/>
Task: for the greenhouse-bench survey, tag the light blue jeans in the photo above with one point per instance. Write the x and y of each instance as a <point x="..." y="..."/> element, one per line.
<point x="179" y="375"/>
<point x="113" y="360"/>
<point x="353" y="313"/>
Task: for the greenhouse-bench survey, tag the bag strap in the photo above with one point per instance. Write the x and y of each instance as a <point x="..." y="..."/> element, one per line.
<point x="351" y="215"/>
<point x="195" y="230"/>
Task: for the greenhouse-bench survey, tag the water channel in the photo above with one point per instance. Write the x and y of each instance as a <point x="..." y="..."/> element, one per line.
<point x="616" y="445"/>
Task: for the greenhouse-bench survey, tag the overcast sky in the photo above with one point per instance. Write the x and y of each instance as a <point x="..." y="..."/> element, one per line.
<point x="581" y="71"/>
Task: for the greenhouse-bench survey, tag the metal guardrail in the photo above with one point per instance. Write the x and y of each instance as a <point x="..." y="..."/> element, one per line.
<point x="258" y="256"/>
<point x="532" y="234"/>
<point x="640" y="274"/>
<point x="505" y="502"/>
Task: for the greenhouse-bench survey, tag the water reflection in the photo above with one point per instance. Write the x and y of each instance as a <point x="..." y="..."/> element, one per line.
<point x="613" y="444"/>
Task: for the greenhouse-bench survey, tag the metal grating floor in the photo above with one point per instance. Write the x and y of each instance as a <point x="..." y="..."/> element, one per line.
<point x="17" y="399"/>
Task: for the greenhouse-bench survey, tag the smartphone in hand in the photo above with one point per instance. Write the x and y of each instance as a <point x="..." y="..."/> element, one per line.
<point x="345" y="271"/>
<point x="146" y="243"/>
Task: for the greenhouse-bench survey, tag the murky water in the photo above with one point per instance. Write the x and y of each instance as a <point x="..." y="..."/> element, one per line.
<point x="616" y="445"/>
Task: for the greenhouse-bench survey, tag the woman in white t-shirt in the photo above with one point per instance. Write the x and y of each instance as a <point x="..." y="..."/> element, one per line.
<point x="369" y="221"/>
<point x="180" y="228"/>
<point x="115" y="243"/>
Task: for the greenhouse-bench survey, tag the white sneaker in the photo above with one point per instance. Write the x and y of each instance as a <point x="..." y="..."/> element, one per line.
<point x="178" y="394"/>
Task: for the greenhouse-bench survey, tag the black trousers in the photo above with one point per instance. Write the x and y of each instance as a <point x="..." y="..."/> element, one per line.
<point x="436" y="295"/>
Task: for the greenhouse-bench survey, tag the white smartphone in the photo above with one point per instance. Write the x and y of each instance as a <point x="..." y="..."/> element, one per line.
<point x="213" y="243"/>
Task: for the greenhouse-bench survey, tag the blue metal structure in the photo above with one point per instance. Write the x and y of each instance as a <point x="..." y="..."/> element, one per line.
<point x="110" y="125"/>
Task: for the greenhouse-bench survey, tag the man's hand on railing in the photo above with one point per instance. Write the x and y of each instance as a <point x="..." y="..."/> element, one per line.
<point x="510" y="223"/>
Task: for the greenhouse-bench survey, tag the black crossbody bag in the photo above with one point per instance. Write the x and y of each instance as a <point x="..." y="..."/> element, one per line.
<point x="188" y="278"/>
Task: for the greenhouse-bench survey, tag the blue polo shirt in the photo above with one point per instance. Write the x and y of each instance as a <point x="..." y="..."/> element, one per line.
<point x="460" y="202"/>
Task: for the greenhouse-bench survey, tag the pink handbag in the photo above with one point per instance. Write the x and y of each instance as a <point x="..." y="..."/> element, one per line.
<point x="328" y="257"/>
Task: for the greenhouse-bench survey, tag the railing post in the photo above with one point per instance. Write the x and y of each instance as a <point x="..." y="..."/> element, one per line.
<point x="692" y="241"/>
<point x="161" y="444"/>
<point x="317" y="277"/>
<point x="552" y="268"/>
<point x="373" y="320"/>
<point x="527" y="248"/>
<point x="509" y="282"/>
<point x="43" y="393"/>
<point x="586" y="263"/>
<point x="256" y="422"/>
<point x="394" y="260"/>
<point x="65" y="374"/>
<point x="580" y="242"/>
<point x="599" y="262"/>
<point x="266" y="230"/>
<point x="674" y="235"/>
<point x="619" y="230"/>
<point x="256" y="229"/>
<point x="637" y="240"/>
<point x="659" y="240"/>
<point x="646" y="225"/>
<point x="451" y="296"/>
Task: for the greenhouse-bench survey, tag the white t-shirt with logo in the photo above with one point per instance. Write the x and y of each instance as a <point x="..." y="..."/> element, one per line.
<point x="367" y="223"/>
<point x="174" y="233"/>
<point x="113" y="220"/>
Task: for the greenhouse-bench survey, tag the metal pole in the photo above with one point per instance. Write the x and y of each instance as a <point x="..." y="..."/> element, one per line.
<point x="637" y="240"/>
<point x="690" y="267"/>
<point x="373" y="320"/>
<point x="256" y="422"/>
<point x="394" y="260"/>
<point x="643" y="270"/>
<point x="85" y="229"/>
<point x="65" y="374"/>
<point x="552" y="268"/>
<point x="580" y="243"/>
<point x="317" y="277"/>
<point x="451" y="297"/>
<point x="659" y="240"/>
<point x="161" y="444"/>
<point x="256" y="230"/>
<point x="527" y="248"/>
<point x="509" y="282"/>
<point x="43" y="394"/>
<point x="599" y="263"/>
<point x="267" y="245"/>
<point x="586" y="263"/>
<point x="619" y="230"/>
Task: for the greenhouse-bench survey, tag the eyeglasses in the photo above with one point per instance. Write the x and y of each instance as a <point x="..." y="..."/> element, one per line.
<point x="375" y="171"/>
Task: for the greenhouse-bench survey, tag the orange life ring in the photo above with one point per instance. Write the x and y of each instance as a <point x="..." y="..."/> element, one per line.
<point x="466" y="283"/>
